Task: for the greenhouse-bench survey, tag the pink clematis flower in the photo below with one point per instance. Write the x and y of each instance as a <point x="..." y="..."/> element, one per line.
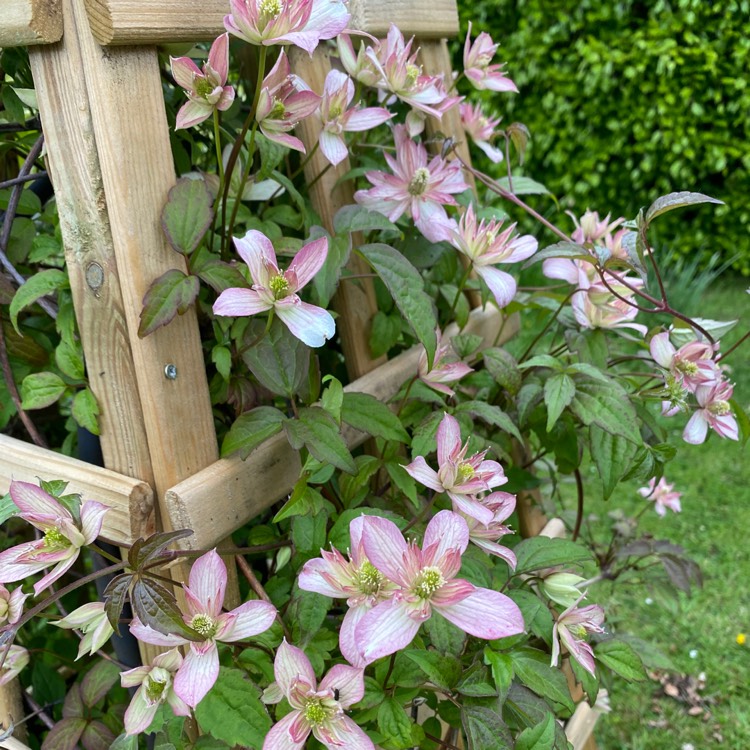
<point x="92" y="621"/>
<point x="462" y="478"/>
<point x="714" y="411"/>
<point x="315" y="708"/>
<point x="63" y="535"/>
<point x="415" y="186"/>
<point x="155" y="686"/>
<point x="481" y="129"/>
<point x="571" y="629"/>
<point x="691" y="365"/>
<point x="594" y="306"/>
<point x="303" y="23"/>
<point x="427" y="580"/>
<point x="285" y="99"/>
<point x="338" y="93"/>
<point x="443" y="369"/>
<point x="477" y="67"/>
<point x="590" y="228"/>
<point x="355" y="579"/>
<point x="277" y="290"/>
<point x="206" y="89"/>
<point x="485" y="245"/>
<point x="662" y="495"/>
<point x="357" y="64"/>
<point x="16" y="660"/>
<point x="11" y="605"/>
<point x="205" y="596"/>
<point x="486" y="536"/>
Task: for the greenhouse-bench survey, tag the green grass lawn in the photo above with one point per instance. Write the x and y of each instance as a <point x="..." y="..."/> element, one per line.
<point x="697" y="633"/>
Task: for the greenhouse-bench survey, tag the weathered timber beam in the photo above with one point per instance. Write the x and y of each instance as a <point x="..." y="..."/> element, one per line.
<point x="149" y="22"/>
<point x="131" y="500"/>
<point x="25" y="22"/>
<point x="580" y="727"/>
<point x="221" y="498"/>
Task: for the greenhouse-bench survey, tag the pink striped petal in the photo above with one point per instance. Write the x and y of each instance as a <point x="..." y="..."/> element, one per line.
<point x="501" y="284"/>
<point x="472" y="508"/>
<point x="579" y="650"/>
<point x="57" y="572"/>
<point x="365" y="119"/>
<point x="333" y="147"/>
<point x="250" y="619"/>
<point x="292" y="664"/>
<point x="485" y="614"/>
<point x="208" y="582"/>
<point x="498" y="550"/>
<point x="30" y="499"/>
<point x="280" y="738"/>
<point x="257" y="251"/>
<point x="149" y="635"/>
<point x="11" y="570"/>
<point x="234" y="302"/>
<point x="309" y="260"/>
<point x="218" y="57"/>
<point x="197" y="675"/>
<point x="184" y="71"/>
<point x="385" y="629"/>
<point x="452" y="592"/>
<point x="348" y="636"/>
<point x="448" y="439"/>
<point x="192" y="113"/>
<point x="695" y="430"/>
<point x="561" y="268"/>
<point x="92" y="514"/>
<point x="349" y="681"/>
<point x="419" y="469"/>
<point x="385" y="547"/>
<point x="312" y="578"/>
<point x="312" y="325"/>
<point x="351" y="736"/>
<point x="521" y="248"/>
<point x="448" y="531"/>
<point x="140" y="713"/>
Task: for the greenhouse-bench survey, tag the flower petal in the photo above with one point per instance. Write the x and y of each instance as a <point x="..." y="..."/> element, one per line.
<point x="147" y="634"/>
<point x="33" y="500"/>
<point x="695" y="430"/>
<point x="292" y="664"/>
<point x="309" y="260"/>
<point x="448" y="439"/>
<point x="349" y="681"/>
<point x="385" y="629"/>
<point x="208" y="582"/>
<point x="333" y="147"/>
<point x="251" y="618"/>
<point x="192" y="113"/>
<point x="197" y="675"/>
<point x="257" y="251"/>
<point x="351" y="736"/>
<point x="92" y="514"/>
<point x="348" y="636"/>
<point x="279" y="737"/>
<point x="311" y="578"/>
<point x="501" y="284"/>
<point x="419" y="469"/>
<point x="385" y="546"/>
<point x="312" y="325"/>
<point x="218" y="57"/>
<point x="485" y="614"/>
<point x="448" y="531"/>
<point x="139" y="714"/>
<point x="235" y="302"/>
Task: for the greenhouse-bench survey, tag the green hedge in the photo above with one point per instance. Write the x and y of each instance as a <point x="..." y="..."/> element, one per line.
<point x="629" y="100"/>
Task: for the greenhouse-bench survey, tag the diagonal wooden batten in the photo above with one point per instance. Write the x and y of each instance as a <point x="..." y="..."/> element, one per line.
<point x="27" y="22"/>
<point x="131" y="500"/>
<point x="227" y="494"/>
<point x="119" y="22"/>
<point x="355" y="300"/>
<point x="11" y="713"/>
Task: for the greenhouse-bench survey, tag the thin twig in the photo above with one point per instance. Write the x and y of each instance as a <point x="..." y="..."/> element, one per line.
<point x="441" y="742"/>
<point x="734" y="346"/>
<point x="257" y="587"/>
<point x="21" y="179"/>
<point x="38" y="711"/>
<point x="579" y="512"/>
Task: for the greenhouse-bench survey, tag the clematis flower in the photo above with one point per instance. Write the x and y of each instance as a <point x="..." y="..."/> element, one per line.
<point x="204" y="593"/>
<point x="155" y="686"/>
<point x="415" y="186"/>
<point x="662" y="495"/>
<point x="277" y="290"/>
<point x="485" y="245"/>
<point x="315" y="708"/>
<point x="714" y="411"/>
<point x="594" y="306"/>
<point x="477" y="67"/>
<point x="427" y="580"/>
<point x="63" y="535"/>
<point x="443" y="370"/>
<point x="590" y="228"/>
<point x="92" y="621"/>
<point x="11" y="605"/>
<point x="486" y="536"/>
<point x="562" y="588"/>
<point x="358" y="65"/>
<point x="481" y="129"/>
<point x="285" y="99"/>
<point x="462" y="478"/>
<point x="691" y="365"/>
<point x="400" y="75"/>
<point x="355" y="579"/>
<point x="206" y="89"/>
<point x="303" y="23"/>
<point x="571" y="629"/>
<point x="16" y="660"/>
<point x="338" y="93"/>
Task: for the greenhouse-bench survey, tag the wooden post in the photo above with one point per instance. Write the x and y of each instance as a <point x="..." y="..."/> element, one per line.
<point x="26" y="22"/>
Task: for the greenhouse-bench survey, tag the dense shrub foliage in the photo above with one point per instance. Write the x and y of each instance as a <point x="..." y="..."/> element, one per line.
<point x="632" y="99"/>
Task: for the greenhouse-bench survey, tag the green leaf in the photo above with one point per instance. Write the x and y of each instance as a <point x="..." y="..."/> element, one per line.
<point x="367" y="414"/>
<point x="309" y="532"/>
<point x="86" y="410"/>
<point x="491" y="414"/>
<point x="543" y="360"/>
<point x="533" y="669"/>
<point x="220" y="276"/>
<point x="541" y="552"/>
<point x="37" y="286"/>
<point x="385" y="333"/>
<point x="327" y="279"/>
<point x="523" y="185"/>
<point x="125" y="742"/>
<point x="528" y="710"/>
<point x="27" y="206"/>
<point x="540" y="737"/>
<point x="406" y="286"/>
<point x="477" y="683"/>
<point x="319" y="433"/>
<point x="504" y="368"/>
<point x="187" y="214"/>
<point x="394" y="725"/>
<point x="445" y="636"/>
<point x="69" y="359"/>
<point x="612" y="455"/>
<point x="222" y="358"/>
<point x="65" y="734"/>
<point x="443" y="670"/>
<point x="558" y="393"/>
<point x="41" y="389"/>
<point x="485" y="729"/>
<point x="677" y="200"/>
<point x="501" y="667"/>
<point x="171" y="294"/>
<point x="156" y="607"/>
<point x="232" y="711"/>
<point x="621" y="659"/>
<point x="114" y="598"/>
<point x="251" y="429"/>
<point x="333" y="397"/>
<point x="606" y="405"/>
<point x="308" y="613"/>
<point x="147" y="550"/>
<point x="8" y="508"/>
<point x="560" y="250"/>
<point x="98" y="682"/>
<point x="360" y="219"/>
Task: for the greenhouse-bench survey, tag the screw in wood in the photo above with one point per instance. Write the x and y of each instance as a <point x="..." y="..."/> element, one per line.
<point x="170" y="372"/>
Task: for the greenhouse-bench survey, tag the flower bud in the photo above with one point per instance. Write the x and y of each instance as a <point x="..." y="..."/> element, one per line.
<point x="92" y="621"/>
<point x="562" y="588"/>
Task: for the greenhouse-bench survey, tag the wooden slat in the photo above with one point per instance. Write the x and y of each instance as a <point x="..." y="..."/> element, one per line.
<point x="25" y="22"/>
<point x="427" y="19"/>
<point x="355" y="301"/>
<point x="11" y="743"/>
<point x="227" y="494"/>
<point x="580" y="727"/>
<point x="11" y="710"/>
<point x="131" y="500"/>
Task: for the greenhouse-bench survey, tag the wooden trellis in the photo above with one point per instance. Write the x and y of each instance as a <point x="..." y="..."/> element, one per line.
<point x="97" y="79"/>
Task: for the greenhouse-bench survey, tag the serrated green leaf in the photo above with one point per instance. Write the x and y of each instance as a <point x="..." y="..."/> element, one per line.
<point x="612" y="455"/>
<point x="41" y="389"/>
<point x="69" y="359"/>
<point x="677" y="200"/>
<point x="220" y="276"/>
<point x="558" y="393"/>
<point x="532" y="668"/>
<point x="503" y="367"/>
<point x="501" y="668"/>
<point x="99" y="681"/>
<point x="606" y="405"/>
<point x="28" y="205"/>
<point x="319" y="433"/>
<point x="222" y="358"/>
<point x="443" y="670"/>
<point x="491" y="414"/>
<point x="232" y="711"/>
<point x="308" y="611"/>
<point x="332" y="398"/>
<point x="114" y="598"/>
<point x="540" y="552"/>
<point x="445" y="636"/>
<point x="148" y="550"/>
<point x="394" y="725"/>
<point x="477" y="683"/>
<point x="540" y="737"/>
<point x="187" y="214"/>
<point x="523" y="185"/>
<point x="360" y="219"/>
<point x="37" y="286"/>
<point x="327" y="279"/>
<point x="542" y="360"/>
<point x="65" y="734"/>
<point x="86" y="410"/>
<point x="171" y="294"/>
<point x="251" y="429"/>
<point x="384" y="333"/>
<point x="367" y="414"/>
<point x="560" y="250"/>
<point x="155" y="606"/>
<point x="485" y="729"/>
<point x="406" y="286"/>
<point x="620" y="658"/>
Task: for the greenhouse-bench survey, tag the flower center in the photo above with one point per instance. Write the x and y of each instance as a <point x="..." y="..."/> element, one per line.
<point x="54" y="539"/>
<point x="204" y="625"/>
<point x="577" y="631"/>
<point x="269" y="9"/>
<point x="155" y="689"/>
<point x="316" y="713"/>
<point x="334" y="111"/>
<point x="203" y="87"/>
<point x="418" y="183"/>
<point x="686" y="367"/>
<point x="277" y="110"/>
<point x="369" y="577"/>
<point x="4" y="607"/>
<point x="427" y="582"/>
<point x="279" y="286"/>
<point x="720" y="408"/>
<point x="464" y="472"/>
<point x="412" y="73"/>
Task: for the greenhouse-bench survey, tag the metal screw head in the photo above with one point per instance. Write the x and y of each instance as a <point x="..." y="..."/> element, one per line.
<point x="170" y="372"/>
